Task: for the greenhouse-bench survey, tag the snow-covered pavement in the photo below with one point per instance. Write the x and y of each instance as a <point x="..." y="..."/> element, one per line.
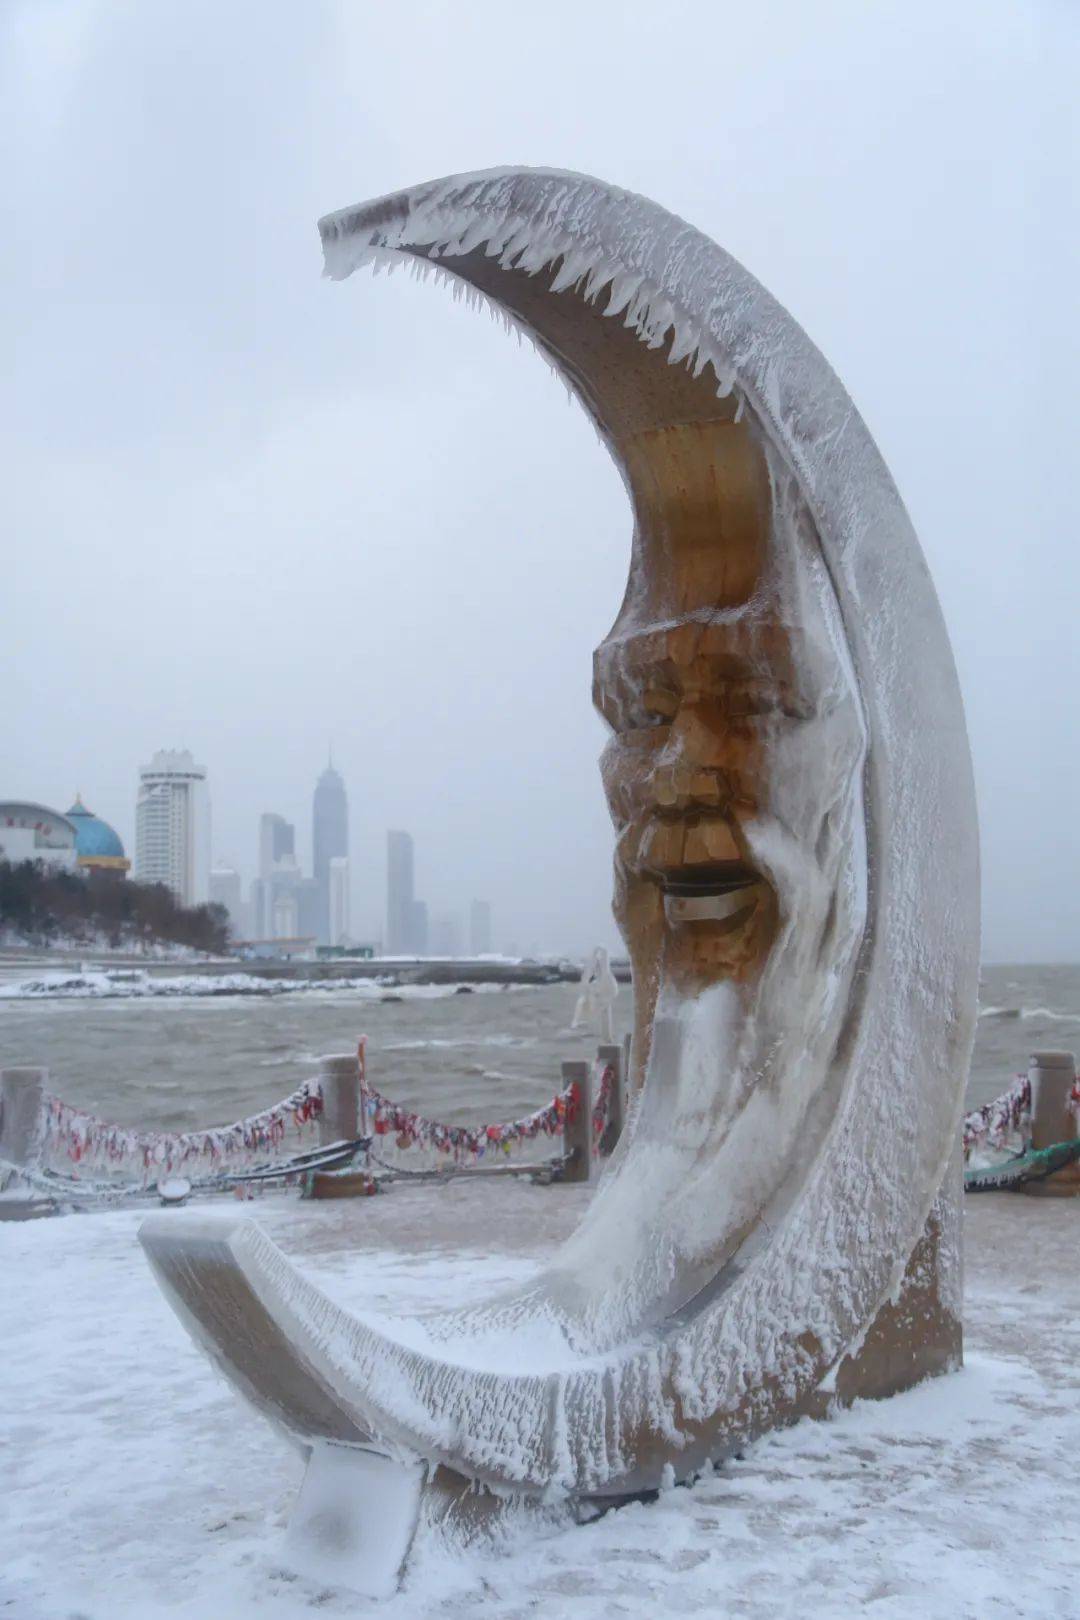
<point x="136" y="1485"/>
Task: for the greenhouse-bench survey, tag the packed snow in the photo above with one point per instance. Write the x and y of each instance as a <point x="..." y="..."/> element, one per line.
<point x="138" y="1485"/>
<point x="129" y="985"/>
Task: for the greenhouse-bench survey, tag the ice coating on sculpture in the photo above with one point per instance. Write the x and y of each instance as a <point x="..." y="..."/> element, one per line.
<point x="796" y="881"/>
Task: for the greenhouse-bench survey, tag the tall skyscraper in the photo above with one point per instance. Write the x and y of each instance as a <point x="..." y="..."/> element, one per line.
<point x="339" y="900"/>
<point x="284" y="915"/>
<point x="444" y="935"/>
<point x="308" y="902"/>
<point x="225" y="891"/>
<point x="277" y="841"/>
<point x="172" y="826"/>
<point x="418" y="928"/>
<point x="329" y="839"/>
<point x="284" y="903"/>
<point x="277" y="870"/>
<point x="400" y="901"/>
<point x="480" y="927"/>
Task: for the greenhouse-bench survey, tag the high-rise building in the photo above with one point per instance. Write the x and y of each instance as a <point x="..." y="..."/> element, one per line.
<point x="329" y="839"/>
<point x="418" y="929"/>
<point x="225" y="891"/>
<point x="284" y="903"/>
<point x="339" y="900"/>
<point x="277" y="842"/>
<point x="284" y="915"/>
<point x="277" y="871"/>
<point x="445" y="934"/>
<point x="308" y="904"/>
<point x="258" y="908"/>
<point x="480" y="927"/>
<point x="172" y="826"/>
<point x="399" y="893"/>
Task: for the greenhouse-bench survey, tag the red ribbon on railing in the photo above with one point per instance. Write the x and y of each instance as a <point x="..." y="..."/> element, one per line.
<point x="411" y="1129"/>
<point x="84" y="1139"/>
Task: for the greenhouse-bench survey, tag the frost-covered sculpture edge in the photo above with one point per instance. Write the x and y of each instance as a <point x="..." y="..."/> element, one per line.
<point x="780" y="1225"/>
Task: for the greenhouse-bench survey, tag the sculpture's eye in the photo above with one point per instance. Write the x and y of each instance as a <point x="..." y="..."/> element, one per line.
<point x="648" y="708"/>
<point x="660" y="703"/>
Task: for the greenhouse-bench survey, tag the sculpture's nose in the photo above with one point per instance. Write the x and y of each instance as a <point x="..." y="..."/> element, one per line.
<point x="684" y="774"/>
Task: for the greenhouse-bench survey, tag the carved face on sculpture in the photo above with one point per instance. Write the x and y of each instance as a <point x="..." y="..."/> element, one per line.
<point x="737" y="739"/>
<point x="689" y="697"/>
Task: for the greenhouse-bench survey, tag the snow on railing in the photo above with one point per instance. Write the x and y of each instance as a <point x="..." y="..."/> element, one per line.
<point x="72" y="1138"/>
<point x="409" y="1129"/>
<point x="1008" y="1116"/>
<point x="40" y="1132"/>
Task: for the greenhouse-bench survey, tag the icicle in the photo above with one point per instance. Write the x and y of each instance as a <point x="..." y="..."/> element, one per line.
<point x="683" y="343"/>
<point x="448" y="224"/>
<point x="541" y="250"/>
<point x="516" y="244"/>
<point x="498" y="236"/>
<point x="602" y="272"/>
<point x="574" y="265"/>
<point x="623" y="288"/>
<point x="657" y="318"/>
<point x="472" y="236"/>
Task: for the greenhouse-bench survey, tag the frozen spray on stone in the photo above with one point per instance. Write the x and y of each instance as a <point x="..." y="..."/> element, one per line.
<point x="796" y="881"/>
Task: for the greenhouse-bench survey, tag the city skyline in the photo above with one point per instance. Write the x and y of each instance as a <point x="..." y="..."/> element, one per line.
<point x="379" y="470"/>
<point x="281" y="901"/>
<point x="451" y="884"/>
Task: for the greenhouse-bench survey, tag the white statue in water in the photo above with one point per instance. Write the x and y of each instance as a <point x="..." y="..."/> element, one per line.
<point x="596" y="1000"/>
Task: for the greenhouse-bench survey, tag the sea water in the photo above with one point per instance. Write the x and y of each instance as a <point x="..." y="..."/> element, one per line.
<point x="488" y="1056"/>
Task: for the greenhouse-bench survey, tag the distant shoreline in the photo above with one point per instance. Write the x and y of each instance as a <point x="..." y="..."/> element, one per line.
<point x="38" y="975"/>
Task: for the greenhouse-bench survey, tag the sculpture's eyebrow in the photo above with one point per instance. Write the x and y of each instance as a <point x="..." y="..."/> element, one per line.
<point x="643" y="656"/>
<point x="729" y="669"/>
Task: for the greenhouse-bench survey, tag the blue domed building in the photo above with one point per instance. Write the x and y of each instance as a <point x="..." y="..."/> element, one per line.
<point x="97" y="845"/>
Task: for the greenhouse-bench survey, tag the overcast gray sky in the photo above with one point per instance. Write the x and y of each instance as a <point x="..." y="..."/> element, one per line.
<point x="249" y="512"/>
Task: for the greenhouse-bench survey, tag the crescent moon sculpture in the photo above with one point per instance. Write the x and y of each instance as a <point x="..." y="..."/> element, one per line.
<point x="796" y="879"/>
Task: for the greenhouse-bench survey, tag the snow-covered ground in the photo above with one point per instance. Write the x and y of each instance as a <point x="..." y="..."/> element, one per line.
<point x="14" y="945"/>
<point x="133" y="985"/>
<point x="136" y="1485"/>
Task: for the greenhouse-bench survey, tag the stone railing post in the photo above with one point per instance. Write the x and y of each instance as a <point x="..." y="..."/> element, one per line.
<point x="613" y="1057"/>
<point x="21" y="1093"/>
<point x="339" y="1076"/>
<point x="578" y="1137"/>
<point x="1052" y="1120"/>
<point x="1051" y="1075"/>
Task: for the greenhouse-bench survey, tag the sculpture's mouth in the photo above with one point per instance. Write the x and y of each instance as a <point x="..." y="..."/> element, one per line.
<point x="711" y="894"/>
<point x="697" y="864"/>
<point x="698" y="882"/>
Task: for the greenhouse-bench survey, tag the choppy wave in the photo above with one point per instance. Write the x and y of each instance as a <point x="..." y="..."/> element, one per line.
<point x="443" y="1043"/>
<point x="289" y="1060"/>
<point x="1031" y="1012"/>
